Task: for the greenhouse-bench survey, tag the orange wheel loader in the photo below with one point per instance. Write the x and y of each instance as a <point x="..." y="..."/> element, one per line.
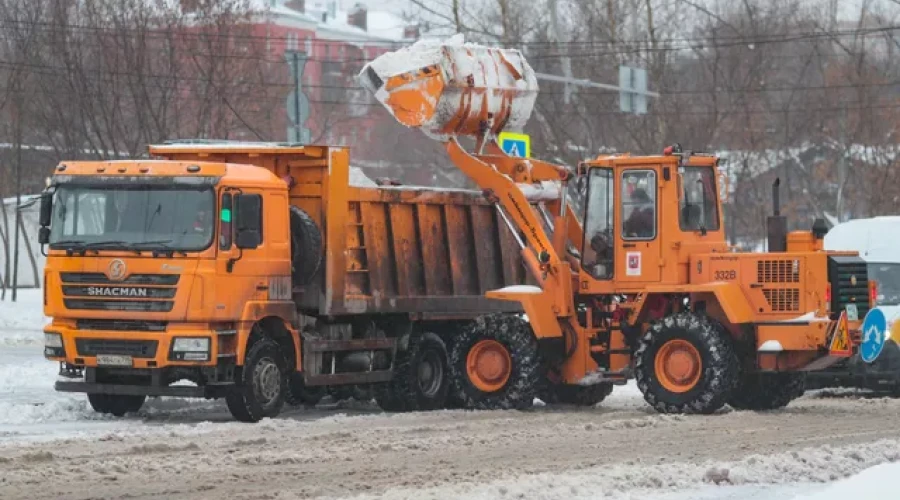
<point x="640" y="285"/>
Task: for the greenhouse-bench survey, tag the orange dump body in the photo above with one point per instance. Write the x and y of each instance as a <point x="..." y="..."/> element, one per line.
<point x="454" y="90"/>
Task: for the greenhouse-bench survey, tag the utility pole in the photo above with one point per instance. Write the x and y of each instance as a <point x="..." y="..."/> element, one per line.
<point x="298" y="104"/>
<point x="17" y="125"/>
<point x="559" y="35"/>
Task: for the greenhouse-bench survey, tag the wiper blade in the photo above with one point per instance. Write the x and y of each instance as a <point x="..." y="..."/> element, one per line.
<point x="164" y="246"/>
<point x="99" y="244"/>
<point x="67" y="242"/>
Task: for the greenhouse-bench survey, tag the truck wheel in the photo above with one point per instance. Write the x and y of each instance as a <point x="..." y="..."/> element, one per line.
<point x="306" y="247"/>
<point x="686" y="363"/>
<point x="767" y="391"/>
<point x="420" y="376"/>
<point x="117" y="405"/>
<point x="262" y="383"/>
<point x="495" y="364"/>
<point x="299" y="393"/>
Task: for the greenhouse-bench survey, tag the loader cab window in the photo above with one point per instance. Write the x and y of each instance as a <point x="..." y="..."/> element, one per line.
<point x="597" y="253"/>
<point x="697" y="208"/>
<point x="639" y="205"/>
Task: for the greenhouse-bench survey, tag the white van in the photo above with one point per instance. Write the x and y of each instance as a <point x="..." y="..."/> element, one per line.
<point x="878" y="242"/>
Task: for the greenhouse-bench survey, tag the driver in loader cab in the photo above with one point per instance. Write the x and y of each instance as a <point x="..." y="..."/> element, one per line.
<point x="640" y="223"/>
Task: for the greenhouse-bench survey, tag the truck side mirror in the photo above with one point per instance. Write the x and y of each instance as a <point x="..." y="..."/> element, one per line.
<point x="44" y="235"/>
<point x="248" y="220"/>
<point x="46" y="209"/>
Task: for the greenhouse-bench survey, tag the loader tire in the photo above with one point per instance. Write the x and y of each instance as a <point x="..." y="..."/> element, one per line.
<point x="306" y="247"/>
<point x="686" y="363"/>
<point x="495" y="364"/>
<point x="767" y="391"/>
<point x="261" y="385"/>
<point x="420" y="376"/>
<point x="300" y="394"/>
<point x="116" y="405"/>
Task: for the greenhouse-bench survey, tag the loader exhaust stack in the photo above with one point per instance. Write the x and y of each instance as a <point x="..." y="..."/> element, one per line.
<point x="776" y="224"/>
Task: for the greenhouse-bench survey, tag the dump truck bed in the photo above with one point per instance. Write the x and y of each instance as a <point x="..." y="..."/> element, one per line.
<point x="424" y="252"/>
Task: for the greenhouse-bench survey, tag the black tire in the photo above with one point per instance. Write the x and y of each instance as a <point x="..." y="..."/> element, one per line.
<point x="579" y="395"/>
<point x="517" y="338"/>
<point x="719" y="369"/>
<point x="261" y="385"/>
<point x="306" y="247"/>
<point x="117" y="405"/>
<point x="420" y="376"/>
<point x="767" y="391"/>
<point x="300" y="394"/>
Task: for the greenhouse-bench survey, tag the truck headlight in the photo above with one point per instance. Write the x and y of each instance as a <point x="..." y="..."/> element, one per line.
<point x="190" y="349"/>
<point x="53" y="340"/>
<point x="53" y="345"/>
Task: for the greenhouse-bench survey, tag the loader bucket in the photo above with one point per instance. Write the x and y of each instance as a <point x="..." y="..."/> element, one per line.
<point x="450" y="89"/>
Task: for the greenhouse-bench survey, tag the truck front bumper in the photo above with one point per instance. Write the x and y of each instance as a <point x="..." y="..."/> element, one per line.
<point x="215" y="382"/>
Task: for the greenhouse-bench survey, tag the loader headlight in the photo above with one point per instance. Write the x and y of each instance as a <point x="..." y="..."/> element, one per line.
<point x="190" y="349"/>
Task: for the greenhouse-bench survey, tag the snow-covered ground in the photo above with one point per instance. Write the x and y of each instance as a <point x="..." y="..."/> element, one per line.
<point x="820" y="448"/>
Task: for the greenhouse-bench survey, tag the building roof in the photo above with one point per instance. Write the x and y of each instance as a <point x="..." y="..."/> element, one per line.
<point x="329" y="19"/>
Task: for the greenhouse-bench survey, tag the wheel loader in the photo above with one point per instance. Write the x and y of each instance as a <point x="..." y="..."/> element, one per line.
<point x="642" y="283"/>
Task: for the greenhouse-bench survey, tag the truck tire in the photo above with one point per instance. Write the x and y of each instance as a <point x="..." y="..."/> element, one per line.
<point x="495" y="364"/>
<point x="306" y="247"/>
<point x="686" y="363"/>
<point x="299" y="393"/>
<point x="117" y="405"/>
<point x="420" y="376"/>
<point x="767" y="391"/>
<point x="261" y="385"/>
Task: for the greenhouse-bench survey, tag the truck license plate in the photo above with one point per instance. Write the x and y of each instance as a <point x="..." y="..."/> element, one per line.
<point x="113" y="360"/>
<point x="852" y="312"/>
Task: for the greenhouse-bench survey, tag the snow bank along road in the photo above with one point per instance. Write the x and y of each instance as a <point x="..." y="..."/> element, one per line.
<point x="618" y="450"/>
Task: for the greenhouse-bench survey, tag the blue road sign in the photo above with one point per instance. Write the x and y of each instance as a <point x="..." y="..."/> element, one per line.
<point x="513" y="144"/>
<point x="873" y="335"/>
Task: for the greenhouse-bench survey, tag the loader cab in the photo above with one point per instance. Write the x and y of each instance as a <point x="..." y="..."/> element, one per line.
<point x="637" y="210"/>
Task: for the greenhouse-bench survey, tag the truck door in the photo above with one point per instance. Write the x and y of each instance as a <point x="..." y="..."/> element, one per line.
<point x="240" y="272"/>
<point x="637" y="258"/>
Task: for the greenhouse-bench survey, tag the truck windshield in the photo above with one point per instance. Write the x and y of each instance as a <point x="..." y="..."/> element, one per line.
<point x="888" y="278"/>
<point x="698" y="200"/>
<point x="145" y="217"/>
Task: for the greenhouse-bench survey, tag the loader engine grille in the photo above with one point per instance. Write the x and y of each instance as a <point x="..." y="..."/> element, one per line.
<point x="849" y="280"/>
<point x="138" y="292"/>
<point x="778" y="271"/>
<point x="783" y="299"/>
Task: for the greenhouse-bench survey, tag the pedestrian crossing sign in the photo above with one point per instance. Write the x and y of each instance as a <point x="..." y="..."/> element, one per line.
<point x="513" y="144"/>
<point x="840" y="341"/>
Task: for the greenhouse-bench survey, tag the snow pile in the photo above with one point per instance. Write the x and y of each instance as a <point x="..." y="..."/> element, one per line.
<point x="358" y="178"/>
<point x="475" y="82"/>
<point x="811" y="466"/>
<point x="876" y="483"/>
<point x="22" y="322"/>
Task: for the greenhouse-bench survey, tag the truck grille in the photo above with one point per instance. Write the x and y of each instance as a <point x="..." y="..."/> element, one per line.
<point x="136" y="293"/>
<point x="133" y="348"/>
<point x="849" y="280"/>
<point x="120" y="325"/>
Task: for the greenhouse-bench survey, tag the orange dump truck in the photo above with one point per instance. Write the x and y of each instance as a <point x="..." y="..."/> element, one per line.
<point x="262" y="274"/>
